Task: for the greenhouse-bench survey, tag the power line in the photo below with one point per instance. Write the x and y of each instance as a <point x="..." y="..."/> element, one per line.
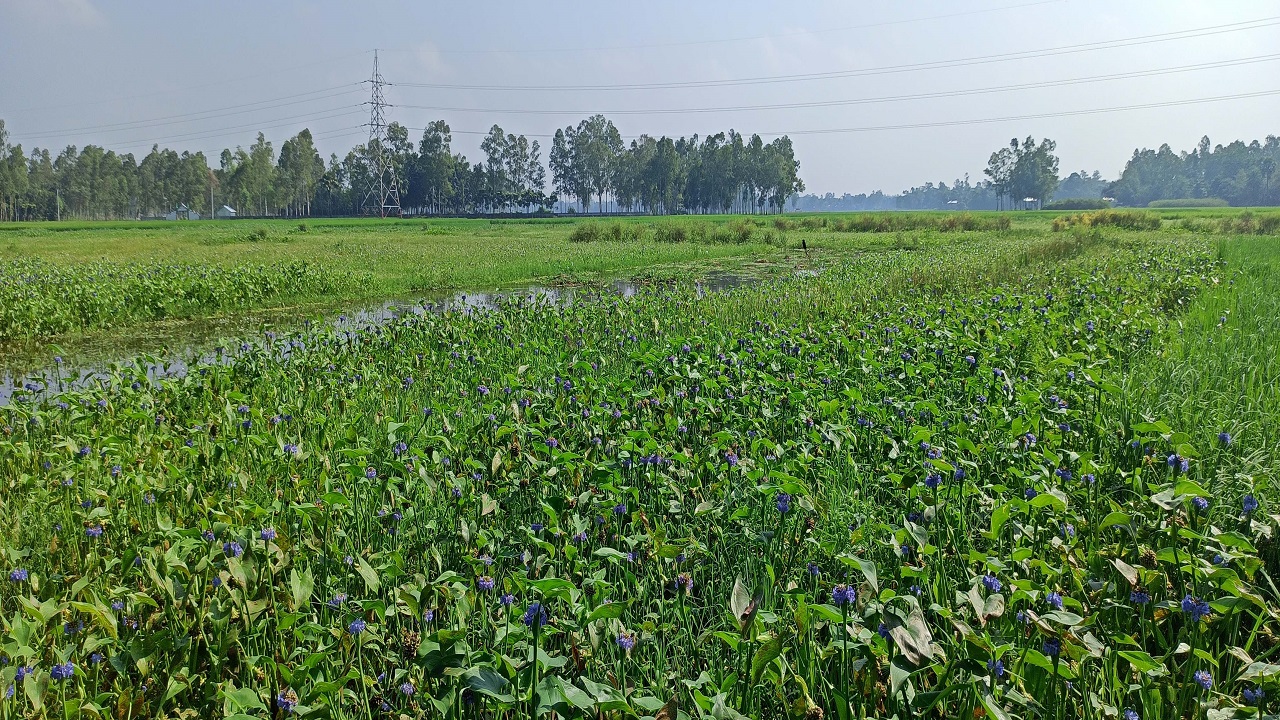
<point x="224" y="132"/>
<point x="886" y="69"/>
<point x="747" y="38"/>
<point x="951" y="123"/>
<point x="1036" y="116"/>
<point x="869" y="100"/>
<point x="190" y="117"/>
<point x="196" y="88"/>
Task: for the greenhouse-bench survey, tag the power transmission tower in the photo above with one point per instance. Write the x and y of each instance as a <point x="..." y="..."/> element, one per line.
<point x="383" y="198"/>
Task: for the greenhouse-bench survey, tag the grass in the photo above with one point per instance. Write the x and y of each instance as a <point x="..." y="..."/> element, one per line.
<point x="943" y="478"/>
<point x="399" y="256"/>
<point x="1220" y="372"/>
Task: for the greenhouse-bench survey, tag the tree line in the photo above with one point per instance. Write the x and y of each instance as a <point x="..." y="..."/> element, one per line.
<point x="591" y="169"/>
<point x="1242" y="174"/>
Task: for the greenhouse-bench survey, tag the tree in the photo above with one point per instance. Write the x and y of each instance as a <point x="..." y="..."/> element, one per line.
<point x="1024" y="171"/>
<point x="298" y="173"/>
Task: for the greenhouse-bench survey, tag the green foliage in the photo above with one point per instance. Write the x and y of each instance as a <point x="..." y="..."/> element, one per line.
<point x="898" y="222"/>
<point x="845" y="495"/>
<point x="1189" y="203"/>
<point x="1245" y="223"/>
<point x="39" y="299"/>
<point x="1126" y="219"/>
<point x="1078" y="204"/>
<point x="1242" y="174"/>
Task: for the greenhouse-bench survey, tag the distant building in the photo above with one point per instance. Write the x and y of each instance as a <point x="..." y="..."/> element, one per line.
<point x="182" y="212"/>
<point x="224" y="213"/>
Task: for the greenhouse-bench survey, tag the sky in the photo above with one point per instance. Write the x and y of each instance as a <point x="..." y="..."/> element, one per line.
<point x="899" y="85"/>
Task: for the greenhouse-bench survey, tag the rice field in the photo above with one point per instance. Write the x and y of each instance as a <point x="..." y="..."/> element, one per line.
<point x="987" y="472"/>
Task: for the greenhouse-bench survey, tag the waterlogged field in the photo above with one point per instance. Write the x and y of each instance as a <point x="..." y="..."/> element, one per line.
<point x="962" y="478"/>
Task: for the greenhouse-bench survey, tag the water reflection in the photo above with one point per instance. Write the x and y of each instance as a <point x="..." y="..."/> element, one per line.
<point x="168" y="349"/>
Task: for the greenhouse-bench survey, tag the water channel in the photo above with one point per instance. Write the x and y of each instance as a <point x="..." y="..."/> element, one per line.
<point x="40" y="370"/>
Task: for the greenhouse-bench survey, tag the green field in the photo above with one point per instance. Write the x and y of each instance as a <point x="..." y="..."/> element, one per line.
<point x="961" y="470"/>
<point x="59" y="279"/>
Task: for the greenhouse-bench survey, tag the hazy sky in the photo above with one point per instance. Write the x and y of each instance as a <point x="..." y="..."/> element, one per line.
<point x="117" y="73"/>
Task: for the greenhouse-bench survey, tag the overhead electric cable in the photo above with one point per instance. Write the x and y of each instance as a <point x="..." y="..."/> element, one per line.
<point x="868" y="100"/>
<point x="746" y="38"/>
<point x="881" y="70"/>
<point x="190" y="117"/>
<point x="950" y="123"/>
<point x="187" y="88"/>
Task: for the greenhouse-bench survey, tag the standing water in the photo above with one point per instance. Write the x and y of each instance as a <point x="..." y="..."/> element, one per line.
<point x="167" y="349"/>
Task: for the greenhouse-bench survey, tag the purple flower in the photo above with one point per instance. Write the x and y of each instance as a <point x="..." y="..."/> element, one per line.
<point x="1197" y="609"/>
<point x="337" y="600"/>
<point x="370" y="473"/>
<point x="63" y="671"/>
<point x="991" y="582"/>
<point x="232" y="548"/>
<point x="484" y="583"/>
<point x="684" y="581"/>
<point x="626" y="641"/>
<point x="1224" y="438"/>
<point x="843" y="594"/>
<point x="1052" y="647"/>
<point x="932" y="481"/>
<point x="535" y="616"/>
<point x="1139" y="597"/>
<point x="537" y="527"/>
<point x="357" y="626"/>
<point x="620" y="509"/>
<point x="18" y="575"/>
<point x="814" y="570"/>
<point x="267" y="534"/>
<point x="731" y="458"/>
<point x="1054" y="600"/>
<point x="883" y="631"/>
<point x="507" y="600"/>
<point x="1131" y="714"/>
<point x="553" y="443"/>
<point x="93" y="531"/>
<point x="1178" y="464"/>
<point x="1203" y="679"/>
<point x="1254" y="696"/>
<point x="287" y="701"/>
<point x="1249" y="504"/>
<point x="406" y="688"/>
<point x="995" y="667"/>
<point x="1200" y="504"/>
<point x="1030" y="494"/>
<point x="783" y="502"/>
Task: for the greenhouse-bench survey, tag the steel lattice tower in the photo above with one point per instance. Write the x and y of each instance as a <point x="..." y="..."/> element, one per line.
<point x="383" y="198"/>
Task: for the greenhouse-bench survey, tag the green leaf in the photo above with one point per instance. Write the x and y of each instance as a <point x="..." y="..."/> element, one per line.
<point x="368" y="573"/>
<point x="1141" y="661"/>
<point x="768" y="651"/>
<point x="486" y="681"/>
<point x="610" y="611"/>
<point x="300" y="587"/>
<point x="868" y="569"/>
<point x="553" y="587"/>
<point x="1260" y="672"/>
<point x="1114" y="518"/>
